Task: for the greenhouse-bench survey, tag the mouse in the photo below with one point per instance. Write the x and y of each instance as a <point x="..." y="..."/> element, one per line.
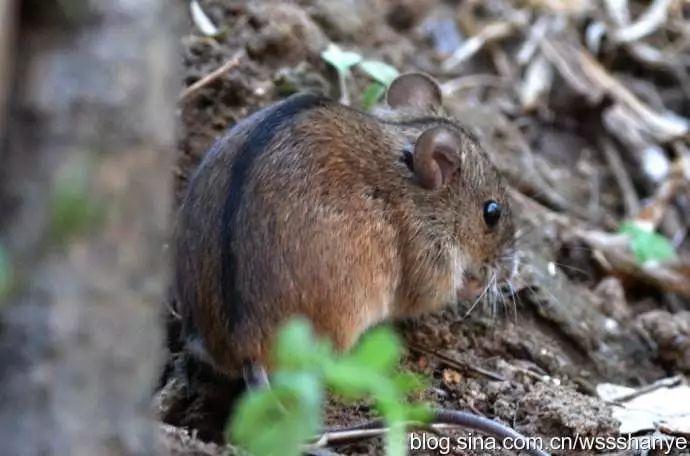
<point x="312" y="208"/>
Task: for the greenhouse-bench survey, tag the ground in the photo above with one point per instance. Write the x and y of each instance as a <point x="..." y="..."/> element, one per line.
<point x="580" y="314"/>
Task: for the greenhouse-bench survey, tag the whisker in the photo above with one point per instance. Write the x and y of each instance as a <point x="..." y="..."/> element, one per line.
<point x="569" y="267"/>
<point x="493" y="294"/>
<point x="476" y="301"/>
<point x="512" y="296"/>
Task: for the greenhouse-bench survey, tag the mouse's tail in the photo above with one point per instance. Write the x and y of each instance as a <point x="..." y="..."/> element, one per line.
<point x="191" y="392"/>
<point x="198" y="397"/>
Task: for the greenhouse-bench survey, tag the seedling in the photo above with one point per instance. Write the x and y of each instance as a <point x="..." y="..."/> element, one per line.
<point x="343" y="61"/>
<point x="278" y="421"/>
<point x="647" y="245"/>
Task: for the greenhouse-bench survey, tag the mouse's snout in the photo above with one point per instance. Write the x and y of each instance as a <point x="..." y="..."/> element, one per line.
<point x="475" y="283"/>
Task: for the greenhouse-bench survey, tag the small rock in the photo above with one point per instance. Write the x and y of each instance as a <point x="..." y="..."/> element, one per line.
<point x="613" y="302"/>
<point x="671" y="333"/>
<point x="564" y="412"/>
<point x="451" y="376"/>
<point x="303" y="77"/>
<point x="404" y="14"/>
<point x="286" y="35"/>
<point x="341" y="20"/>
<point x="442" y="29"/>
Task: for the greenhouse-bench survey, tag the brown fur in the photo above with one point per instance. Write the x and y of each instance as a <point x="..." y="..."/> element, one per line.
<point x="333" y="226"/>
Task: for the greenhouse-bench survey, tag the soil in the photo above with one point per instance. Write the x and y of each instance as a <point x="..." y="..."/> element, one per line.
<point x="534" y="360"/>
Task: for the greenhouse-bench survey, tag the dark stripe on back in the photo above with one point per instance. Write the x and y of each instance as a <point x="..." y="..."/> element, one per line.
<point x="258" y="139"/>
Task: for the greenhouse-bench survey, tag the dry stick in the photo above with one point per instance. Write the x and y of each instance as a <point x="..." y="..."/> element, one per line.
<point x="654" y="17"/>
<point x="590" y="78"/>
<point x="625" y="184"/>
<point x="442" y="418"/>
<point x="663" y="383"/>
<point x="211" y="77"/>
<point x="471" y="81"/>
<point x="540" y="183"/>
<point x="612" y="252"/>
<point x="491" y="32"/>
<point x="654" y="211"/>
<point x="370" y="430"/>
<point x="501" y="62"/>
<point x="450" y="362"/>
<point x="683" y="154"/>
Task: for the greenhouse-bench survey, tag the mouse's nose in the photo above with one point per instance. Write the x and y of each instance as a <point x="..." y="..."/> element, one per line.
<point x="474" y="284"/>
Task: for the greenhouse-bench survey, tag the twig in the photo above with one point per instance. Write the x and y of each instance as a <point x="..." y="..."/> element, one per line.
<point x="591" y="79"/>
<point x="474" y="80"/>
<point x="534" y="375"/>
<point x="654" y="210"/>
<point x="663" y="276"/>
<point x="369" y="430"/>
<point x="611" y="250"/>
<point x="490" y="33"/>
<point x="201" y="20"/>
<point x="442" y="419"/>
<point x="536" y="179"/>
<point x="663" y="383"/>
<point x="450" y="362"/>
<point x="647" y="23"/>
<point x="630" y="198"/>
<point x="211" y="77"/>
<point x="536" y="33"/>
<point x="346" y="435"/>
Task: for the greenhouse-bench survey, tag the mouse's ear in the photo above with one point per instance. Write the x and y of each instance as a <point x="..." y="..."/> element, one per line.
<point x="416" y="90"/>
<point x="436" y="157"/>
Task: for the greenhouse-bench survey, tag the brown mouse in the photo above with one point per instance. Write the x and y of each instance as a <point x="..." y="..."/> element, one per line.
<point x="312" y="208"/>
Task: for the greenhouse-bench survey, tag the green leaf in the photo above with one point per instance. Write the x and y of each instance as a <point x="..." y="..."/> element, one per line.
<point x="297" y="347"/>
<point x="389" y="401"/>
<point x="73" y="208"/>
<point x="396" y="440"/>
<point x="277" y="421"/>
<point x="408" y="382"/>
<point x="648" y="245"/>
<point x="418" y="412"/>
<point x="5" y="272"/>
<point x="372" y="94"/>
<point x="341" y="60"/>
<point x="379" y="349"/>
<point x="351" y="380"/>
<point x="379" y="71"/>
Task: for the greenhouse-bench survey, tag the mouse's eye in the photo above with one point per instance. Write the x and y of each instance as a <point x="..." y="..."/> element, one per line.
<point x="407" y="157"/>
<point x="492" y="213"/>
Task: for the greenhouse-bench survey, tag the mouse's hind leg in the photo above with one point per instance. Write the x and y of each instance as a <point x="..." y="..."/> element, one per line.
<point x="255" y="376"/>
<point x="198" y="397"/>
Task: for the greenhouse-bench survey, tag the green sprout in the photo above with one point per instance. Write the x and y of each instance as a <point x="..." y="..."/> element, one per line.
<point x="372" y="94"/>
<point x="382" y="74"/>
<point x="647" y="245"/>
<point x="379" y="71"/>
<point x="343" y="61"/>
<point x="279" y="420"/>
